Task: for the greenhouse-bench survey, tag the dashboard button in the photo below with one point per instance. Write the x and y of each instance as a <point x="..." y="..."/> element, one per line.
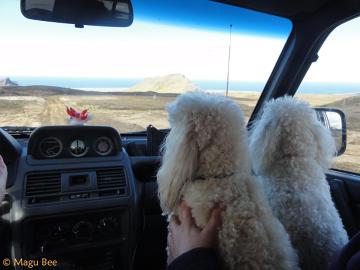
<point x="108" y="225"/>
<point x="83" y="230"/>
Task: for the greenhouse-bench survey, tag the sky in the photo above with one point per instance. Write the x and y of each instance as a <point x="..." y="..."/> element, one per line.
<point x="152" y="46"/>
<point x="193" y="43"/>
<point x="339" y="57"/>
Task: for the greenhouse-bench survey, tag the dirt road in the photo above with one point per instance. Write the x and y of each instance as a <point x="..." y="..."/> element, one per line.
<point x="54" y="112"/>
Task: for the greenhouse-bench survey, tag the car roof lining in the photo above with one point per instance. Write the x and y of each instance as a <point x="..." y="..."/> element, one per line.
<point x="285" y="8"/>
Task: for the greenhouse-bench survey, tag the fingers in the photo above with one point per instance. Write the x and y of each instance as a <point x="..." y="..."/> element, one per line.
<point x="183" y="206"/>
<point x="2" y="163"/>
<point x="170" y="248"/>
<point x="175" y="219"/>
<point x="185" y="215"/>
<point x="173" y="224"/>
<point x="172" y="227"/>
<point x="214" y="221"/>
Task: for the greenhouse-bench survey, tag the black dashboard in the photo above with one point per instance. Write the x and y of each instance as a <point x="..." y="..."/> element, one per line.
<point x="83" y="196"/>
<point x="59" y="142"/>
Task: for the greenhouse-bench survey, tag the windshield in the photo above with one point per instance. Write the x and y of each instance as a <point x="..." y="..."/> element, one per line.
<point x="126" y="76"/>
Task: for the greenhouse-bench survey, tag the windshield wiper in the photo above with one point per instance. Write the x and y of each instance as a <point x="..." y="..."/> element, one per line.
<point x="19" y="132"/>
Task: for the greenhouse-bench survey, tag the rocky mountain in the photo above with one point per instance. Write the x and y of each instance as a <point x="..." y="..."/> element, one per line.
<point x="173" y="83"/>
<point x="7" y="82"/>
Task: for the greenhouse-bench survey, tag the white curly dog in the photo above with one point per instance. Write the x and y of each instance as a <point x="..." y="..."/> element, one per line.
<point x="206" y="161"/>
<point x="291" y="150"/>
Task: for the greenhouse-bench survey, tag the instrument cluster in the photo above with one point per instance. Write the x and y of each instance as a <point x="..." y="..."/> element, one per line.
<point x="74" y="142"/>
<point x="52" y="147"/>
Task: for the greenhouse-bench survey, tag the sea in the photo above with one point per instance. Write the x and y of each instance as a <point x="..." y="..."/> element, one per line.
<point x="114" y="84"/>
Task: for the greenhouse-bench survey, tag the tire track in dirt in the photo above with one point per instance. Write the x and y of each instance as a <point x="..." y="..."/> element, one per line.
<point x="54" y="112"/>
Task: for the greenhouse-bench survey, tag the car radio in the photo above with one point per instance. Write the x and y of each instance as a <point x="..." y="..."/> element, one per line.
<point x="69" y="238"/>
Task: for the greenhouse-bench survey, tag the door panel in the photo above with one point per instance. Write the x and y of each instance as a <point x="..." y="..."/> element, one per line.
<point x="345" y="190"/>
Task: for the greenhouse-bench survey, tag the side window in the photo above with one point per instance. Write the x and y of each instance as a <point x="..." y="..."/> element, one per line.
<point x="334" y="81"/>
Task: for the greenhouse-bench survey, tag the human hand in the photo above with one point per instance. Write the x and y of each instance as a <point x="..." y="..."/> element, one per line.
<point x="3" y="178"/>
<point x="184" y="235"/>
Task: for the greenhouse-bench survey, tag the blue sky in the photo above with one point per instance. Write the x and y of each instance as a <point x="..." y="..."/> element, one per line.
<point x="210" y="15"/>
<point x="194" y="43"/>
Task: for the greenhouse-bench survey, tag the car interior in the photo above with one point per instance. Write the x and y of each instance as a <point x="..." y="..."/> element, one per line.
<point x="87" y="195"/>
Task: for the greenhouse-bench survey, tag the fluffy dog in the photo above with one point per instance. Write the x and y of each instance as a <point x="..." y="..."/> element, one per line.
<point x="291" y="150"/>
<point x="206" y="161"/>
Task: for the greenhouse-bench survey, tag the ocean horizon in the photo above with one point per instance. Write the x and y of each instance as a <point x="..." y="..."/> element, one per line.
<point x="114" y="84"/>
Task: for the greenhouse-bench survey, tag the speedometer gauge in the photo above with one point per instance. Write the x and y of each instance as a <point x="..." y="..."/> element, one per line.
<point x="103" y="146"/>
<point x="50" y="147"/>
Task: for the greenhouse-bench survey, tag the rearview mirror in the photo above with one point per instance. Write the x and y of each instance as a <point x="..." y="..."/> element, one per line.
<point x="115" y="13"/>
<point x="334" y="120"/>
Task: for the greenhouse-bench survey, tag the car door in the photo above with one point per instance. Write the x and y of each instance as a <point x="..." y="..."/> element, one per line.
<point x="333" y="81"/>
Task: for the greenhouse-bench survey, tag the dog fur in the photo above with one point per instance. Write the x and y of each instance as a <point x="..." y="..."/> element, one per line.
<point x="206" y="161"/>
<point x="291" y="150"/>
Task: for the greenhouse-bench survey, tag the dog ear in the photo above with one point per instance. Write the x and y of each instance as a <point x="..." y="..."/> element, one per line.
<point x="180" y="154"/>
<point x="326" y="146"/>
<point x="265" y="139"/>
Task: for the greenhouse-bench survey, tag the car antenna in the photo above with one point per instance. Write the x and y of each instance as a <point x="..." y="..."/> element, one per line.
<point x="228" y="67"/>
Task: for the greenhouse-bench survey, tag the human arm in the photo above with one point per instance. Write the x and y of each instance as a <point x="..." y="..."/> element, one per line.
<point x="348" y="258"/>
<point x="3" y="178"/>
<point x="191" y="247"/>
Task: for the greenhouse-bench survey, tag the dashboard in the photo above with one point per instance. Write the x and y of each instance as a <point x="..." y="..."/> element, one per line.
<point x="73" y="142"/>
<point x="85" y="196"/>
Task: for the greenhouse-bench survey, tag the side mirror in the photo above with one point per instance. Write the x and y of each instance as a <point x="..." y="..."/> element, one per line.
<point x="115" y="13"/>
<point x="335" y="121"/>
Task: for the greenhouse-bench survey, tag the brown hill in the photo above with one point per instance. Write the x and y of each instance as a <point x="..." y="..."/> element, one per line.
<point x="43" y="90"/>
<point x="40" y="90"/>
<point x="173" y="83"/>
<point x="351" y="107"/>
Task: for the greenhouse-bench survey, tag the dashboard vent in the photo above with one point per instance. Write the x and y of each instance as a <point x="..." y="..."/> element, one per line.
<point x="43" y="187"/>
<point x="111" y="181"/>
